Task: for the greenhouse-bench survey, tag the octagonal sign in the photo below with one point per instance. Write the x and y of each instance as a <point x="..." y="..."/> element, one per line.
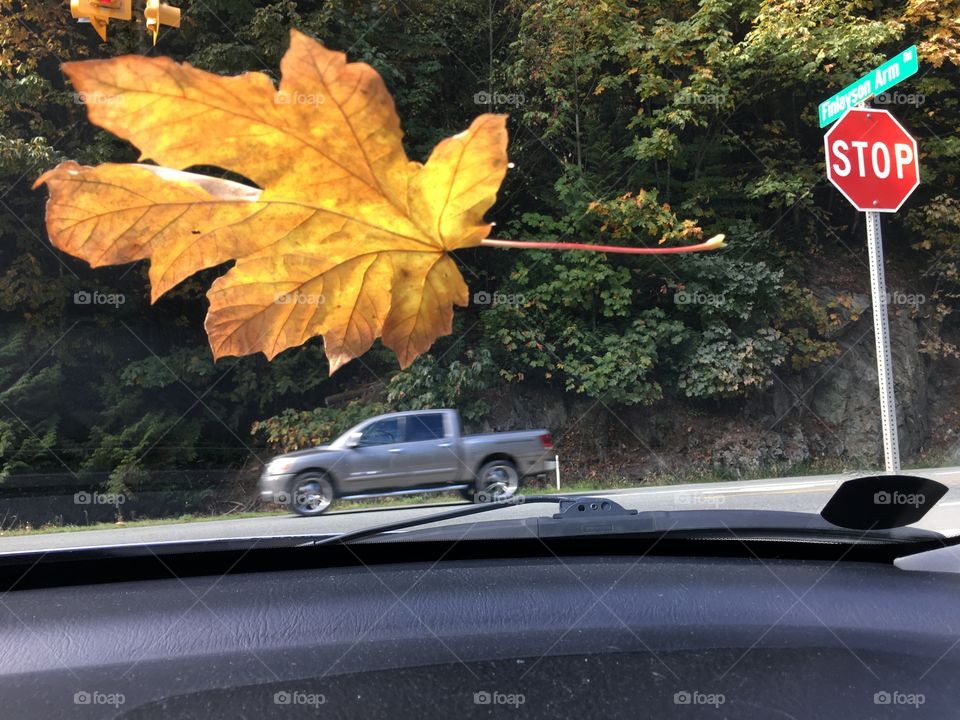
<point x="872" y="159"/>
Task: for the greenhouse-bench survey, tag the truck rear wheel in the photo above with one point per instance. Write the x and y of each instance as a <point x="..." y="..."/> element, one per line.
<point x="496" y="480"/>
<point x="311" y="494"/>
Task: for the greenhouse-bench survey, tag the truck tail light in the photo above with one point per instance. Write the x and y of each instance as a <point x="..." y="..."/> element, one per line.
<point x="547" y="441"/>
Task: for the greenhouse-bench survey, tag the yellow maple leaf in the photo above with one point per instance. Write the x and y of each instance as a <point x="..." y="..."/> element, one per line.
<point x="343" y="237"/>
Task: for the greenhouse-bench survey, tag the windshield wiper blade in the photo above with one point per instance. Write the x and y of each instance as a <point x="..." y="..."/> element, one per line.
<point x="597" y="516"/>
<point x="567" y="505"/>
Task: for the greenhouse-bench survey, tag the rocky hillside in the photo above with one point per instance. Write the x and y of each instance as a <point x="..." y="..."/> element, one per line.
<point x="825" y="417"/>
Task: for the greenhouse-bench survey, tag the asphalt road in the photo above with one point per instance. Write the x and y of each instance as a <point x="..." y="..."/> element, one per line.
<point x="803" y="494"/>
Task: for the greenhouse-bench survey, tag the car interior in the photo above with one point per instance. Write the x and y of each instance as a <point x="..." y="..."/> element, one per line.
<point x="616" y="615"/>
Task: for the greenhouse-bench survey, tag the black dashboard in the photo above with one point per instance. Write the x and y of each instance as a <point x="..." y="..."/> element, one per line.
<point x="585" y="636"/>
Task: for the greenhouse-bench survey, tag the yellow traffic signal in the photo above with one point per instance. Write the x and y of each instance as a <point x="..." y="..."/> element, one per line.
<point x="99" y="13"/>
<point x="157" y="13"/>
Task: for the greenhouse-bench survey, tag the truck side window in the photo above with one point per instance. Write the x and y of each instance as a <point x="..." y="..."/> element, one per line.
<point x="382" y="432"/>
<point x="424" y="427"/>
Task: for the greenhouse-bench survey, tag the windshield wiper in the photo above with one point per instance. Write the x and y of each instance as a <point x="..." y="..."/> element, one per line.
<point x="867" y="509"/>
<point x="453" y="514"/>
<point x="598" y="517"/>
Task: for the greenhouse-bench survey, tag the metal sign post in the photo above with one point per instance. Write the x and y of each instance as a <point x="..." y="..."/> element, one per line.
<point x="881" y="331"/>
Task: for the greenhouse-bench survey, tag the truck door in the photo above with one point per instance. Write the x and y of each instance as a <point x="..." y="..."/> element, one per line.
<point x="429" y="452"/>
<point x="372" y="463"/>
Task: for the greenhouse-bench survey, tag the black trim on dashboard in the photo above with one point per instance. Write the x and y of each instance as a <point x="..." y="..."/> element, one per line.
<point x="87" y="566"/>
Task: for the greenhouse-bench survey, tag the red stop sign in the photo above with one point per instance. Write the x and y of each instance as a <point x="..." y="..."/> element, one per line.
<point x="872" y="159"/>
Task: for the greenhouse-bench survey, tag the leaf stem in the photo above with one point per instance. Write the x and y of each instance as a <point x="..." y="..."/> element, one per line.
<point x="714" y="243"/>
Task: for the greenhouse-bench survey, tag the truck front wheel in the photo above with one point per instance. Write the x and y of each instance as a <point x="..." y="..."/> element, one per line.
<point x="496" y="480"/>
<point x="311" y="493"/>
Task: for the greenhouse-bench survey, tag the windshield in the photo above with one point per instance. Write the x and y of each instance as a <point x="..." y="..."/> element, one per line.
<point x="681" y="255"/>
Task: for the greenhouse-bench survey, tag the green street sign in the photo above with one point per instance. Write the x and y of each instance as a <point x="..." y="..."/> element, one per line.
<point x="873" y="83"/>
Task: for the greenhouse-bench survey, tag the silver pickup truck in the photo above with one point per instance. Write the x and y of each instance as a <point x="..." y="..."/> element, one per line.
<point x="407" y="453"/>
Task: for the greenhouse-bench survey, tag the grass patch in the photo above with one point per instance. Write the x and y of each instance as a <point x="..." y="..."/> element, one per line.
<point x="145" y="522"/>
